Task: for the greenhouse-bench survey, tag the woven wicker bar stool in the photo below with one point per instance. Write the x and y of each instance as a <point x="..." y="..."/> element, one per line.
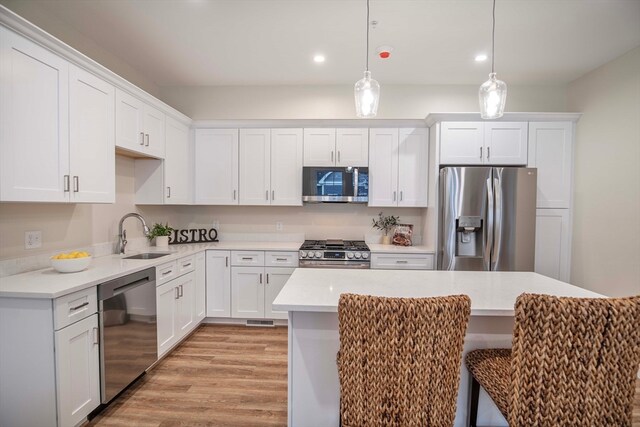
<point x="573" y="363"/>
<point x="399" y="359"/>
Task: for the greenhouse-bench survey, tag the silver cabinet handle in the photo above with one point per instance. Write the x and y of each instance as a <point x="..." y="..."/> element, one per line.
<point x="181" y="291"/>
<point x="260" y="278"/>
<point x="96" y="336"/>
<point x="247" y="258"/>
<point x="332" y="156"/>
<point x="168" y="192"/>
<point x="234" y="194"/>
<point x="338" y="156"/>
<point x="141" y="138"/>
<point x="402" y="262"/>
<point x="167" y="272"/>
<point x="281" y="259"/>
<point x="267" y="278"/>
<point x="66" y="183"/>
<point x="273" y="195"/>
<point x="177" y="296"/>
<point x="266" y="195"/>
<point x="78" y="307"/>
<point x="146" y="137"/>
<point x="76" y="184"/>
<point x="394" y="196"/>
<point x="186" y="265"/>
<point x="480" y="152"/>
<point x="400" y="195"/>
<point x="488" y="152"/>
<point x="226" y="261"/>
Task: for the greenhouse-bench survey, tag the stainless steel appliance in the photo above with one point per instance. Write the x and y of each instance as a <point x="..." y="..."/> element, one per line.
<point x="487" y="218"/>
<point x="335" y="184"/>
<point x="334" y="254"/>
<point x="128" y="334"/>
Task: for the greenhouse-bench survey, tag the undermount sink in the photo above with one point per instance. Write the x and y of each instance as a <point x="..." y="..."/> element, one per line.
<point x="148" y="255"/>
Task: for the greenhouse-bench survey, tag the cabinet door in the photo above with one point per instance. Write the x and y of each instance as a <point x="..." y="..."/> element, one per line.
<point x="553" y="243"/>
<point x="319" y="147"/>
<point x="352" y="147"/>
<point x="286" y="167"/>
<point x="166" y="297"/>
<point x="34" y="121"/>
<point x="216" y="166"/>
<point x="177" y="170"/>
<point x="200" y="294"/>
<point x="77" y="370"/>
<point x="154" y="132"/>
<point x="461" y="143"/>
<point x="505" y="143"/>
<point x="218" y="283"/>
<point x="255" y="166"/>
<point x="129" y="122"/>
<point x="92" y="138"/>
<point x="247" y="292"/>
<point x="275" y="278"/>
<point x="413" y="167"/>
<point x="185" y="304"/>
<point x="550" y="150"/>
<point x="383" y="167"/>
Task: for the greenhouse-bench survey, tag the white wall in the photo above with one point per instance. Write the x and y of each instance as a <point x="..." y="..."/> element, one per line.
<point x="606" y="231"/>
<point x="336" y="102"/>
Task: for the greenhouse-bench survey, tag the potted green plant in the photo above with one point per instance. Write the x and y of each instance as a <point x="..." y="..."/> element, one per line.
<point x="385" y="224"/>
<point x="161" y="233"/>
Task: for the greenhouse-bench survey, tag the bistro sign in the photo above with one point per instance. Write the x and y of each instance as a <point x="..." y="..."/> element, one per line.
<point x="193" y="235"/>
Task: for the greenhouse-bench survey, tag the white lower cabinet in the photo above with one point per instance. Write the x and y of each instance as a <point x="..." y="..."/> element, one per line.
<point x="77" y="370"/>
<point x="218" y="277"/>
<point x="247" y="292"/>
<point x="176" y="311"/>
<point x="552" y="243"/>
<point x="200" y="287"/>
<point x="275" y="278"/>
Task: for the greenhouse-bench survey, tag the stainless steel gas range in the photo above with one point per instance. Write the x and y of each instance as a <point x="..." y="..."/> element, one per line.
<point x="334" y="254"/>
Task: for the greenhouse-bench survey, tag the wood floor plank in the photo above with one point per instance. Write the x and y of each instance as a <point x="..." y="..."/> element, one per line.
<point x="222" y="376"/>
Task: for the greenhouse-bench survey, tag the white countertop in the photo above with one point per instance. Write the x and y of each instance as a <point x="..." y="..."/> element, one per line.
<point x="48" y="283"/>
<point x="395" y="249"/>
<point x="491" y="293"/>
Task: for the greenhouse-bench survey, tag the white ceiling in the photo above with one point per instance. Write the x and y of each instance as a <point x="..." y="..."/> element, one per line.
<point x="272" y="42"/>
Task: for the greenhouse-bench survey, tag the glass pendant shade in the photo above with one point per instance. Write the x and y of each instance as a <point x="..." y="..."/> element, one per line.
<point x="367" y="93"/>
<point x="493" y="96"/>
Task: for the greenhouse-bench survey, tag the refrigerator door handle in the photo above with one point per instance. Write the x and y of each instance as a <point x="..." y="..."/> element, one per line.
<point x="488" y="233"/>
<point x="498" y="231"/>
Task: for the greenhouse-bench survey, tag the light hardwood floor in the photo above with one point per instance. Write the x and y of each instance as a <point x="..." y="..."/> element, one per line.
<point x="220" y="376"/>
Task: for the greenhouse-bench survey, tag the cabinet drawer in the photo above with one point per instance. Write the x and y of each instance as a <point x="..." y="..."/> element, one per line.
<point x="186" y="264"/>
<point x="166" y="272"/>
<point x="247" y="258"/>
<point x="281" y="259"/>
<point x="73" y="307"/>
<point x="402" y="261"/>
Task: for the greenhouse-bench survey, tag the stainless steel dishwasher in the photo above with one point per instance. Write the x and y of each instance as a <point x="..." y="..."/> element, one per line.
<point x="128" y="333"/>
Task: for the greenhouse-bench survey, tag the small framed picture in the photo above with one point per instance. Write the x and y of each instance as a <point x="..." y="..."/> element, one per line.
<point x="402" y="235"/>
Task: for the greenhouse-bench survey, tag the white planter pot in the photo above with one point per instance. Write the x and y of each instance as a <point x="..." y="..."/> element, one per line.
<point x="162" y="241"/>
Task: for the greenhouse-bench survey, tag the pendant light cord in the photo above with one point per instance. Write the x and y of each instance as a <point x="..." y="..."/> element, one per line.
<point x="367" y="58"/>
<point x="493" y="38"/>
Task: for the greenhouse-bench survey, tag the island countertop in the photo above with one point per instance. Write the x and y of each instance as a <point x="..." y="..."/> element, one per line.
<point x="492" y="293"/>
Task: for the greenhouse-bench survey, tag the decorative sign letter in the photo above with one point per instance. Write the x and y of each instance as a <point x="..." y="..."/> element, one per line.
<point x="193" y="235"/>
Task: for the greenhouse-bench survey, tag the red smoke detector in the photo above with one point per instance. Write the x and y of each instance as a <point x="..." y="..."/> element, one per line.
<point x="384" y="51"/>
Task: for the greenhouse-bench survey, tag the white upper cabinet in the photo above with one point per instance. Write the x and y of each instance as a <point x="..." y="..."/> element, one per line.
<point x="91" y="138"/>
<point x="216" y="166"/>
<point x="551" y="152"/>
<point x="177" y="168"/>
<point x="483" y="143"/>
<point x="286" y="167"/>
<point x="352" y="147"/>
<point x="139" y="127"/>
<point x="255" y="167"/>
<point x="398" y="167"/>
<point x="34" y="120"/>
<point x="319" y="147"/>
<point x="336" y="147"/>
<point x="506" y="143"/>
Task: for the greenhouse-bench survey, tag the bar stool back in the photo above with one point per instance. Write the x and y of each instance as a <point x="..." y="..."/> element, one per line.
<point x="399" y="359"/>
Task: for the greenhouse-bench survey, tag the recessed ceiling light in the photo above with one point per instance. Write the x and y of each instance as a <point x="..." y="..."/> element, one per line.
<point x="318" y="58"/>
<point x="480" y="58"/>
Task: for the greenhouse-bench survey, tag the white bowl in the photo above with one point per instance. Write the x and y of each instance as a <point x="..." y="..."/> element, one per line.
<point x="72" y="265"/>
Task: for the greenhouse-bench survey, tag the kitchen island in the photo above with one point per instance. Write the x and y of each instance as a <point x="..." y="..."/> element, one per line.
<point x="311" y="298"/>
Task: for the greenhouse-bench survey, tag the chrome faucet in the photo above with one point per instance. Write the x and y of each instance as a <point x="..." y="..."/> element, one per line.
<point x="122" y="234"/>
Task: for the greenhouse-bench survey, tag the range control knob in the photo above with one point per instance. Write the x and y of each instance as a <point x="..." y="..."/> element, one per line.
<point x="318" y="255"/>
<point x="365" y="255"/>
<point x="350" y="255"/>
<point x="303" y="254"/>
<point x="358" y="255"/>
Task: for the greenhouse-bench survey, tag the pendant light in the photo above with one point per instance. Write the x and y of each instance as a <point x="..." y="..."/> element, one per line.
<point x="367" y="90"/>
<point x="493" y="92"/>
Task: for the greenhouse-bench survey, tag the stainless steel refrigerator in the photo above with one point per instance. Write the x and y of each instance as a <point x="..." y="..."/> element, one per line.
<point x="487" y="219"/>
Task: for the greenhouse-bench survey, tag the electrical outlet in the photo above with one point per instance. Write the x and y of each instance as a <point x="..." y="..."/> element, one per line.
<point x="216" y="224"/>
<point x="279" y="226"/>
<point x="32" y="239"/>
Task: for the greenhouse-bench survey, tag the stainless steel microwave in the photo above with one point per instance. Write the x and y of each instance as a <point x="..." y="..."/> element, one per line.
<point x="335" y="184"/>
